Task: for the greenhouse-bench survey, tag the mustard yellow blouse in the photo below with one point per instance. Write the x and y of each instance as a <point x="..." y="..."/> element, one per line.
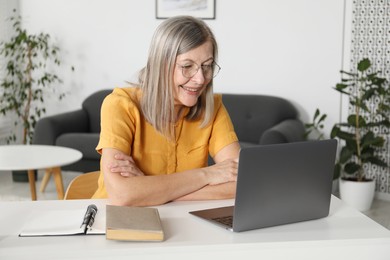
<point x="123" y="127"/>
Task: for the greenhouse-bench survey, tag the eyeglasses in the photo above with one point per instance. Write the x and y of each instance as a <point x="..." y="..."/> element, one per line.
<point x="209" y="70"/>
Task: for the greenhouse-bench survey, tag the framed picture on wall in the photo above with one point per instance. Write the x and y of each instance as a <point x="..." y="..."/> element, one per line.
<point x="204" y="9"/>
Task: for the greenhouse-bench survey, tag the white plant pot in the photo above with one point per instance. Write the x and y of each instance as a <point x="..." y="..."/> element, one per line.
<point x="357" y="194"/>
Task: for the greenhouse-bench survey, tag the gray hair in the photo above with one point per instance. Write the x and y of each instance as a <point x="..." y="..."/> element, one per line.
<point x="173" y="37"/>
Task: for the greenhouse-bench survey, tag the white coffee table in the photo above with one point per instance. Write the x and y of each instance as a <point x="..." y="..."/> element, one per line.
<point x="34" y="157"/>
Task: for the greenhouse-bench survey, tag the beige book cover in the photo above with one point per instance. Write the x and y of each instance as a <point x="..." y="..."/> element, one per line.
<point x="133" y="224"/>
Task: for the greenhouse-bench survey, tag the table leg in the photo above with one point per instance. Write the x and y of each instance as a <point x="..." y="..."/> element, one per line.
<point x="31" y="180"/>
<point x="45" y="180"/>
<point x="58" y="181"/>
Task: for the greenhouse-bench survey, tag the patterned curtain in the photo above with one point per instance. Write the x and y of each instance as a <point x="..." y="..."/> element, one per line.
<point x="371" y="39"/>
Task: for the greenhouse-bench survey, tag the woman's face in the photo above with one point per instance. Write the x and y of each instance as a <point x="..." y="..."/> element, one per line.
<point x="187" y="88"/>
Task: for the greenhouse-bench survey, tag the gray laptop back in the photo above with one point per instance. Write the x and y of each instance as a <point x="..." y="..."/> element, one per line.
<point x="283" y="183"/>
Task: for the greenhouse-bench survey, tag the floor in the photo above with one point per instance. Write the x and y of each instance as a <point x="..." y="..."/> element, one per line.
<point x="380" y="212"/>
<point x="17" y="191"/>
<point x="13" y="191"/>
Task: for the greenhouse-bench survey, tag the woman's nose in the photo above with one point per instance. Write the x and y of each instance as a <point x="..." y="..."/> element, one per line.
<point x="199" y="77"/>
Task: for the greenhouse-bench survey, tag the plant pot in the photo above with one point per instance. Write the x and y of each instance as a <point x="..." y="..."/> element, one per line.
<point x="357" y="194"/>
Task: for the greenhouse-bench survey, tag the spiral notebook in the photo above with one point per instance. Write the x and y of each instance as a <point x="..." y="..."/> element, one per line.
<point x="67" y="222"/>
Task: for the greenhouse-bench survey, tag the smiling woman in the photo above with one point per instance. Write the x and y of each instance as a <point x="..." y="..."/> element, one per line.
<point x="191" y="81"/>
<point x="157" y="134"/>
<point x="182" y="40"/>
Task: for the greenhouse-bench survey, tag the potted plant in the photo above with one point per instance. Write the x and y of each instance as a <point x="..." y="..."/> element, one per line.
<point x="28" y="76"/>
<point x="360" y="143"/>
<point x="314" y="129"/>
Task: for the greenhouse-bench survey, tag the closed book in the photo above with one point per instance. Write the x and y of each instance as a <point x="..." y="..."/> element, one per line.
<point x="133" y="224"/>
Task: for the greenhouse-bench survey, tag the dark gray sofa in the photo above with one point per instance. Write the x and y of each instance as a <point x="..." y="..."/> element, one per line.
<point x="260" y="119"/>
<point x="78" y="129"/>
<point x="257" y="119"/>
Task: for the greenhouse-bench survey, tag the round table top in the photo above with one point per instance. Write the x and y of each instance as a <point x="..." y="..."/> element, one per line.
<point x="34" y="157"/>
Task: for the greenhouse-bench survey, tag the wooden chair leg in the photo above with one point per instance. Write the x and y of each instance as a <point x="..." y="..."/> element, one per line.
<point x="45" y="179"/>
<point x="31" y="180"/>
<point x="58" y="181"/>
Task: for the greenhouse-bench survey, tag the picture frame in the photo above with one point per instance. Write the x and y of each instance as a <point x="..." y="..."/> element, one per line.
<point x="204" y="9"/>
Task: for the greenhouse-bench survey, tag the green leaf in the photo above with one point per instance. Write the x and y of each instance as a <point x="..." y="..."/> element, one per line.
<point x="364" y="65"/>
<point x="370" y="139"/>
<point x="337" y="171"/>
<point x="316" y="114"/>
<point x="368" y="94"/>
<point x="377" y="161"/>
<point x="353" y="120"/>
<point x="334" y="131"/>
<point x="345" y="154"/>
<point x="345" y="136"/>
<point x="340" y="87"/>
<point x="322" y="118"/>
<point x="351" y="74"/>
<point x="351" y="168"/>
<point x="352" y="145"/>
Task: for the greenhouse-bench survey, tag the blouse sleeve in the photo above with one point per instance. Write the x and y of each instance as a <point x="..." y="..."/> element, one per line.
<point x="223" y="132"/>
<point x="117" y="122"/>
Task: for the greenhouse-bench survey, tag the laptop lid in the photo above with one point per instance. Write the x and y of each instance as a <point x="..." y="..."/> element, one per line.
<point x="283" y="183"/>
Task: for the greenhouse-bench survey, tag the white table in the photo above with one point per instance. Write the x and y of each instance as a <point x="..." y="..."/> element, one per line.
<point x="34" y="157"/>
<point x="345" y="234"/>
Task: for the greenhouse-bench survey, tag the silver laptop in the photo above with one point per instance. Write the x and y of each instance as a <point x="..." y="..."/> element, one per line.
<point x="279" y="184"/>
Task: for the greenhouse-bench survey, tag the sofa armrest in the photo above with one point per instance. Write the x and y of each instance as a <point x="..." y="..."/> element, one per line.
<point x="287" y="131"/>
<point x="49" y="128"/>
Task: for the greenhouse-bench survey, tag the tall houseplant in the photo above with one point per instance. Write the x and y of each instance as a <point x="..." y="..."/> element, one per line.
<point x="361" y="143"/>
<point x="29" y="61"/>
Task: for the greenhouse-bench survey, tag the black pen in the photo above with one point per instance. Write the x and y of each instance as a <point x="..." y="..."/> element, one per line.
<point x="89" y="217"/>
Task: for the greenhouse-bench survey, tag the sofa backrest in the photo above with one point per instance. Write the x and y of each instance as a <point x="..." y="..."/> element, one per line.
<point x="92" y="105"/>
<point x="253" y="114"/>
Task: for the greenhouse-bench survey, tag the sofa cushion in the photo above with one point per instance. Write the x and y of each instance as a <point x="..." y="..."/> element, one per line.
<point x="84" y="142"/>
<point x="287" y="131"/>
<point x="92" y="105"/>
<point x="252" y="115"/>
<point x="246" y="144"/>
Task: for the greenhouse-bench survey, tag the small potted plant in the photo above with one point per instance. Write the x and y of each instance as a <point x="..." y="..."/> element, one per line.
<point x="314" y="129"/>
<point x="361" y="144"/>
<point x="28" y="77"/>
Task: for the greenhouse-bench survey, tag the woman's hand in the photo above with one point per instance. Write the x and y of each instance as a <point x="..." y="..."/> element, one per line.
<point x="223" y="172"/>
<point x="125" y="166"/>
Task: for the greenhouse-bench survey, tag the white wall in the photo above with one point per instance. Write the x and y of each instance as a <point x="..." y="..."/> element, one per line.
<point x="287" y="48"/>
<point x="6" y="123"/>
